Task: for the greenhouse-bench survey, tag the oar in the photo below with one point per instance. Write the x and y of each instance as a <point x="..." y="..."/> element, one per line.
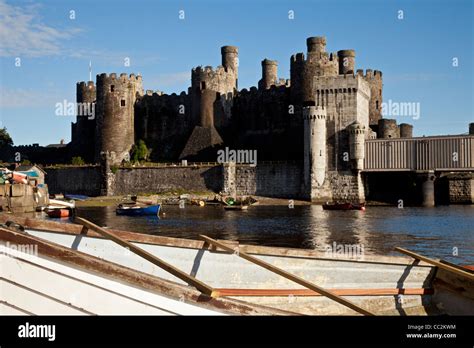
<point x="204" y="288"/>
<point x="288" y="275"/>
<point x="436" y="263"/>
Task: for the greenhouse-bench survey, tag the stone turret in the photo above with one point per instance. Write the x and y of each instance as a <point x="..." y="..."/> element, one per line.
<point x="388" y="129"/>
<point x="269" y="74"/>
<point x="346" y="61"/>
<point x="315" y="159"/>
<point x="357" y="134"/>
<point x="406" y="130"/>
<point x="83" y="131"/>
<point x="230" y="60"/>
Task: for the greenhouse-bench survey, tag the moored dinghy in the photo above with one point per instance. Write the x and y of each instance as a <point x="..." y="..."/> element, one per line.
<point x="136" y="210"/>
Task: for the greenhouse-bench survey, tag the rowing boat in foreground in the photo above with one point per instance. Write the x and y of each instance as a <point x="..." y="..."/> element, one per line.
<point x="264" y="280"/>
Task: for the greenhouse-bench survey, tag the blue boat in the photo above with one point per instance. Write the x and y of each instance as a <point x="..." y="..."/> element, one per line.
<point x="135" y="210"/>
<point x="76" y="197"/>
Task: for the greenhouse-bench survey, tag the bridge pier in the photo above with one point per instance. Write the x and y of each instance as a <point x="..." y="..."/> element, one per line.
<point x="428" y="189"/>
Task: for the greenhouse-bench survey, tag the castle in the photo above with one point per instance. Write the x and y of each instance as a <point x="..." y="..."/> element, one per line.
<point x="321" y="116"/>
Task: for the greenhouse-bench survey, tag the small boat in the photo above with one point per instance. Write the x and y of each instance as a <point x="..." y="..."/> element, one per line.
<point x="383" y="285"/>
<point x="58" y="213"/>
<point x="76" y="197"/>
<point x="62" y="203"/>
<point x="343" y="206"/>
<point x="138" y="210"/>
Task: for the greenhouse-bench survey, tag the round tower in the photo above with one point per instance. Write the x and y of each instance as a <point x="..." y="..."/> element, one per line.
<point x="83" y="131"/>
<point x="406" y="130"/>
<point x="314" y="118"/>
<point x="85" y="92"/>
<point x="387" y="128"/>
<point x="269" y="73"/>
<point x="346" y="61"/>
<point x="357" y="133"/>
<point x="208" y="97"/>
<point x="116" y="96"/>
<point x="230" y="58"/>
<point x="316" y="45"/>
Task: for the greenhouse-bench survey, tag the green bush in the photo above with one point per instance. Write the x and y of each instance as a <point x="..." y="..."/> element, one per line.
<point x="78" y="161"/>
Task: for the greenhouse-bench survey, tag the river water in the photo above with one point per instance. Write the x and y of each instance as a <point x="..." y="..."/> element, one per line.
<point x="445" y="232"/>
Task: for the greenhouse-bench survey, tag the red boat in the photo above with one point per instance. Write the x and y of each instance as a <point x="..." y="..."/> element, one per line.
<point x="343" y="206"/>
<point x="58" y="213"/>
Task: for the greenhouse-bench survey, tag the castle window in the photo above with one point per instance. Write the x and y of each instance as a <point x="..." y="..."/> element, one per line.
<point x="112" y="88"/>
<point x="122" y="102"/>
<point x="203" y="84"/>
<point x="377" y="104"/>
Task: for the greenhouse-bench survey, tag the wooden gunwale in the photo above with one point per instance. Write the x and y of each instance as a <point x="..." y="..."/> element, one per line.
<point x="308" y="292"/>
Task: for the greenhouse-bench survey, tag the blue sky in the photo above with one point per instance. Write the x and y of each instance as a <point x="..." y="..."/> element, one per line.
<point x="415" y="53"/>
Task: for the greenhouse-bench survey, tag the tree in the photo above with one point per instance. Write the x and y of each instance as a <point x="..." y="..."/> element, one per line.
<point x="139" y="152"/>
<point x="77" y="161"/>
<point x="5" y="139"/>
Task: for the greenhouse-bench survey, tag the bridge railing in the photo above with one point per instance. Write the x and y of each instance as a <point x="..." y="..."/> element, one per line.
<point x="420" y="154"/>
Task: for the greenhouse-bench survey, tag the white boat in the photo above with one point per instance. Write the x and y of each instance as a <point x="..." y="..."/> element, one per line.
<point x="38" y="277"/>
<point x="283" y="280"/>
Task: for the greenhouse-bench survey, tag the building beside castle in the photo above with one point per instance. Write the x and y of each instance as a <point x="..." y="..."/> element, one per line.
<point x="321" y="116"/>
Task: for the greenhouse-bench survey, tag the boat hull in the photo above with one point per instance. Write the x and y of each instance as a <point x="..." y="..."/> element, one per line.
<point x="138" y="211"/>
<point x="382" y="284"/>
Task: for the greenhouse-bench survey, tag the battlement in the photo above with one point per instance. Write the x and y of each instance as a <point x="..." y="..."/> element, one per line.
<point x="369" y="73"/>
<point x="346" y="53"/>
<point x="229" y="49"/>
<point x="208" y="71"/>
<point x="123" y="77"/>
<point x="269" y="62"/>
<point x="314" y="113"/>
<point x="348" y="83"/>
<point x="84" y="84"/>
<point x="297" y="58"/>
<point x="357" y="128"/>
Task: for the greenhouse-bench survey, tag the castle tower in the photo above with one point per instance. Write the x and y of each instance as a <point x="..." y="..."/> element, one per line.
<point x="303" y="71"/>
<point x="230" y="60"/>
<point x="269" y="74"/>
<point x="83" y="131"/>
<point x="315" y="160"/>
<point x="204" y="138"/>
<point x="346" y="60"/>
<point x="357" y="132"/>
<point x="316" y="46"/>
<point x="116" y="98"/>
<point x="374" y="78"/>
<point x="405" y="130"/>
<point x="388" y="129"/>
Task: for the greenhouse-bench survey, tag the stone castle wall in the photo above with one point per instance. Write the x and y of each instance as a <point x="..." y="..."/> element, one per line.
<point x="84" y="180"/>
